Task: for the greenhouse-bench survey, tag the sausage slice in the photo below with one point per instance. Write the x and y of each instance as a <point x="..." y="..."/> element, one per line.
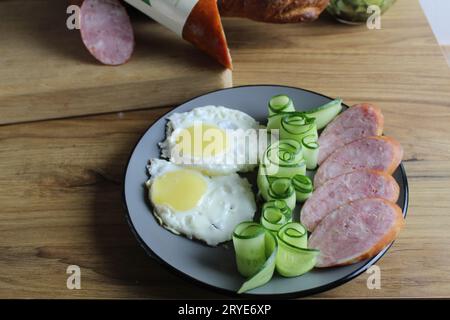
<point x="344" y="189"/>
<point x="361" y="120"/>
<point x="356" y="231"/>
<point x="375" y="153"/>
<point x="106" y="31"/>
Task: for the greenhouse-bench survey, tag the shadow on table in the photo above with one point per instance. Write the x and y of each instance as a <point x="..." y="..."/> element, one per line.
<point x="47" y="32"/>
<point x="250" y="35"/>
<point x="121" y="259"/>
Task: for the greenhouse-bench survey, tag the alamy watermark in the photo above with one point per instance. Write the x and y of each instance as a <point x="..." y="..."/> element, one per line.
<point x="74" y="279"/>
<point x="374" y="20"/>
<point x="374" y="279"/>
<point x="203" y="144"/>
<point x="73" y="20"/>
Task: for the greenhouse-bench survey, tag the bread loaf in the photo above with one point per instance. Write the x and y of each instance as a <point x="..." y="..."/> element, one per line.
<point x="274" y="11"/>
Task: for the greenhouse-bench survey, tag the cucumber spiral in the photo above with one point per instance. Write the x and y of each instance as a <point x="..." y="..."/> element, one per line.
<point x="275" y="214"/>
<point x="283" y="158"/>
<point x="293" y="257"/>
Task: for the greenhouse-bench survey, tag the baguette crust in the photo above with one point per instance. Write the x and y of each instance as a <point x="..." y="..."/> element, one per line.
<point x="390" y="236"/>
<point x="274" y="11"/>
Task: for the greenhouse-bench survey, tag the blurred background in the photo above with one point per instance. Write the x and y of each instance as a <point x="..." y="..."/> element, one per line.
<point x="438" y="15"/>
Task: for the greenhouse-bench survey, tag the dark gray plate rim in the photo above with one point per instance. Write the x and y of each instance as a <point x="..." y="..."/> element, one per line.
<point x="227" y="292"/>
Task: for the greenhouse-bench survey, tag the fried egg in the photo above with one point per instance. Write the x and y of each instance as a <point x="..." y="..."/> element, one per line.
<point x="188" y="202"/>
<point x="214" y="140"/>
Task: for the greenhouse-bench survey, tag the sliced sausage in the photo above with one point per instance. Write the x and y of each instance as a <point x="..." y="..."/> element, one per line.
<point x="344" y="189"/>
<point x="361" y="120"/>
<point x="376" y="153"/>
<point x="106" y="31"/>
<point x="204" y="29"/>
<point x="280" y="11"/>
<point x="356" y="231"/>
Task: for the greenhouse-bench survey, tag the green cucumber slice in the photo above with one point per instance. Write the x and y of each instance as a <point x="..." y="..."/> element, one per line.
<point x="303" y="187"/>
<point x="281" y="189"/>
<point x="326" y="113"/>
<point x="256" y="251"/>
<point x="310" y="148"/>
<point x="275" y="214"/>
<point x="274" y="121"/>
<point x="293" y="257"/>
<point x="283" y="158"/>
<point x="280" y="103"/>
<point x="249" y="244"/>
<point x="297" y="126"/>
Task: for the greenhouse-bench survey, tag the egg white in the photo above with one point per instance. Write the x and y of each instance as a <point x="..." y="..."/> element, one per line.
<point x="235" y="122"/>
<point x="227" y="202"/>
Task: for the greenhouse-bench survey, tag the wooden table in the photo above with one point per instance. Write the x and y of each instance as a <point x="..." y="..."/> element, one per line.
<point x="61" y="180"/>
<point x="446" y="52"/>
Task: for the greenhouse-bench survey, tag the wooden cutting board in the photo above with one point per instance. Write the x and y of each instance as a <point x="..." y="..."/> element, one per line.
<point x="45" y="71"/>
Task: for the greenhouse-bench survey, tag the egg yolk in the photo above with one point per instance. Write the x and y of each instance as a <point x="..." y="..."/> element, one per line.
<point x="202" y="141"/>
<point x="181" y="189"/>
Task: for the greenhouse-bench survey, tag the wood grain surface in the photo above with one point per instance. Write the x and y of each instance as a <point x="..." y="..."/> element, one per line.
<point x="61" y="180"/>
<point x="46" y="72"/>
<point x="446" y="51"/>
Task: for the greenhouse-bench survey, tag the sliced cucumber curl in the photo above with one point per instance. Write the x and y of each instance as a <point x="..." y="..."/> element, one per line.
<point x="277" y="243"/>
<point x="275" y="214"/>
<point x="284" y="158"/>
<point x="303" y="187"/>
<point x="296" y="127"/>
<point x="256" y="250"/>
<point x="293" y="258"/>
<point x="280" y="103"/>
<point x="310" y="148"/>
<point x="259" y="252"/>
